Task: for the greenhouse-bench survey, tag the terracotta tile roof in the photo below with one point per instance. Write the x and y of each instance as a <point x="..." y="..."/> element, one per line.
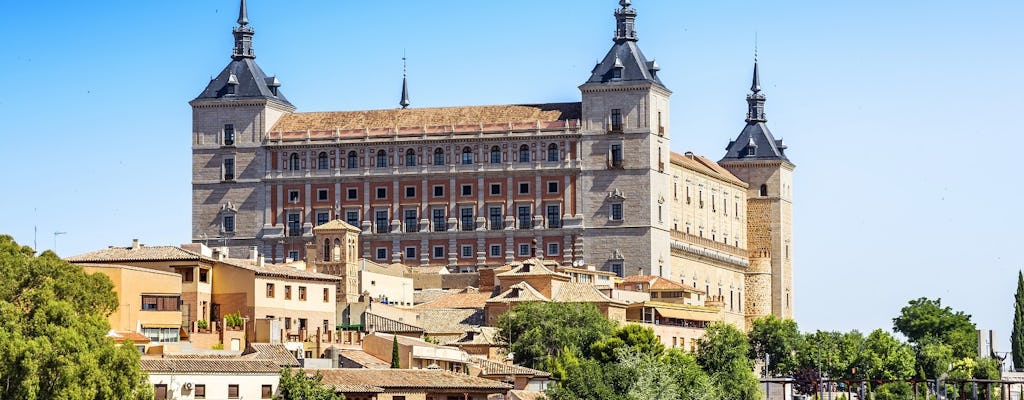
<point x="450" y="320"/>
<point x="533" y="266"/>
<point x="335" y="225"/>
<point x="701" y="164"/>
<point x="464" y="298"/>
<point x="198" y="366"/>
<point x="141" y="253"/>
<point x="127" y="267"/>
<point x="366" y="360"/>
<point x="519" y="292"/>
<point x="480" y="336"/>
<point x="271" y="351"/>
<point x="494" y="368"/>
<point x="408" y="341"/>
<point x="279" y="271"/>
<point x="396" y="269"/>
<point x="135" y="337"/>
<point x="380" y="323"/>
<point x="573" y="292"/>
<point x="659" y="283"/>
<point x="428" y="295"/>
<point x="408" y="379"/>
<point x="420" y="117"/>
<point x="525" y="395"/>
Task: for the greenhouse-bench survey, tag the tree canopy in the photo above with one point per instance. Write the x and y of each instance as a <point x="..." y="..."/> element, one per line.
<point x="777" y="338"/>
<point x="297" y="385"/>
<point x="541" y="329"/>
<point x="53" y="332"/>
<point x="926" y="318"/>
<point x="1017" y="335"/>
<point x="722" y="352"/>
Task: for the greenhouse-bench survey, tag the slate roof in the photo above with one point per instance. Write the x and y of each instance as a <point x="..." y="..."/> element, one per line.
<point x="755" y="134"/>
<point x="625" y="54"/>
<point x="253" y="84"/>
<point x="141" y="253"/>
<point x="450" y="321"/>
<point x="275" y="352"/>
<point x="494" y="368"/>
<point x="399" y="379"/>
<point x="198" y="366"/>
<point x="418" y="117"/>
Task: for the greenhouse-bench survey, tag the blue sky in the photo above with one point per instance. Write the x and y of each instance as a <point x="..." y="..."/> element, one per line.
<point x="900" y="116"/>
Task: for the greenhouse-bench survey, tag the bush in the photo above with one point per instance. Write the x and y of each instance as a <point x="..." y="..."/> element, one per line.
<point x="202" y="324"/>
<point x="233" y="320"/>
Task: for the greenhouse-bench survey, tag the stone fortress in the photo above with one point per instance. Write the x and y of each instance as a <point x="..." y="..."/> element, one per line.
<point x="587" y="183"/>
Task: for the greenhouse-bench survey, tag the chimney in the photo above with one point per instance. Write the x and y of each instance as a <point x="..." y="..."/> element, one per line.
<point x="255" y="253"/>
<point x="135" y="244"/>
<point x="260" y="261"/>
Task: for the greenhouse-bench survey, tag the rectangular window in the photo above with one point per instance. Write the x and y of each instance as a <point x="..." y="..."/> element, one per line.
<point x="439" y="191"/>
<point x="302" y="293"/>
<point x="410" y="253"/>
<point x="323" y="217"/>
<point x="616" y="214"/>
<point x="266" y="392"/>
<point x="352" y="218"/>
<point x="352" y="194"/>
<point x="495" y="217"/>
<point x="229" y="169"/>
<point x="467" y="190"/>
<point x="440" y="223"/>
<point x="229" y="134"/>
<point x="466" y="219"/>
<point x="438" y="251"/>
<point x="380" y="220"/>
<point x="294" y="224"/>
<point x="160" y="303"/>
<point x="495" y="250"/>
<point x="553" y="187"/>
<point x="232" y="391"/>
<point x="552" y="249"/>
<point x="495" y="189"/>
<point x="204" y="275"/>
<point x="616" y="155"/>
<point x="287" y="292"/>
<point x="616" y="120"/>
<point x="321" y="194"/>
<point x="187" y="275"/>
<point x="287" y="323"/>
<point x="411" y="221"/>
<point x="554" y="215"/>
<point x="229" y="223"/>
<point x="524" y="249"/>
<point x="293" y="196"/>
<point x="200" y="391"/>
<point x="382" y="193"/>
<point x="617" y="269"/>
<point x="525" y="218"/>
<point x="524" y="188"/>
<point x="467" y="251"/>
<point x="382" y="253"/>
<point x="410" y="191"/>
<point x="327" y="295"/>
<point x="270" y="290"/>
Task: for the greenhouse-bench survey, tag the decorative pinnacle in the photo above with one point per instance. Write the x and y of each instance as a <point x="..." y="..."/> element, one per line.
<point x="624" y="3"/>
<point x="405" y="87"/>
<point x="243" y="14"/>
<point x="625" y="19"/>
<point x="755" y="84"/>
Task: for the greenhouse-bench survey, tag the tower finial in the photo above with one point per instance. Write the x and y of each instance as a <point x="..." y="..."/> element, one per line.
<point x="243" y="35"/>
<point x="625" y="19"/>
<point x="755" y="100"/>
<point x="405" y="86"/>
<point x="243" y="14"/>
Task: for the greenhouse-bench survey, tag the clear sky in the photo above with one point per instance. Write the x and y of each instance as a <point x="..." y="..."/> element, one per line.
<point x="900" y="116"/>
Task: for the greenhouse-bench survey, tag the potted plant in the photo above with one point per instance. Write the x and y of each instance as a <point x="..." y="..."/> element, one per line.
<point x="203" y="326"/>
<point x="233" y="321"/>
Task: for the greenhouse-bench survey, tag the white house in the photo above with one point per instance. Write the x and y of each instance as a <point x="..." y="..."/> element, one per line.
<point x="198" y="378"/>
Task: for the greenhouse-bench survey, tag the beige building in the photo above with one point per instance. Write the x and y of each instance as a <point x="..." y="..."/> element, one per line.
<point x="149" y="301"/>
<point x="219" y="378"/>
<point x="405" y="384"/>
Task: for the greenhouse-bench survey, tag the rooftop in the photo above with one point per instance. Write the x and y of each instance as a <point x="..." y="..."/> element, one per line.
<point x="201" y="365"/>
<point x="703" y="165"/>
<point x="659" y="283"/>
<point x="397" y="379"/>
<point x="450" y="320"/>
<point x="494" y="368"/>
<point x="138" y="253"/>
<point x="275" y="352"/>
<point x="279" y="271"/>
<point x="464" y="298"/>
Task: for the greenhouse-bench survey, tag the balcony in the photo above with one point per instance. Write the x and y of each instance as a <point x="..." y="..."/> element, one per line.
<point x="710" y="244"/>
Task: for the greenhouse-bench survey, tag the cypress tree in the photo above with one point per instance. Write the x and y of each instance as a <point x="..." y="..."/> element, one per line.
<point x="394" y="353"/>
<point x="1017" y="337"/>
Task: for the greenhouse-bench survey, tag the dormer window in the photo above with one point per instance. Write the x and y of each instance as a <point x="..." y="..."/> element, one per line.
<point x="751" y="151"/>
<point x="617" y="73"/>
<point x="232" y="84"/>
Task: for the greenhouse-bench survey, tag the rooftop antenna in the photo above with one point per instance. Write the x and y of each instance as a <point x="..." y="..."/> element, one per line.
<point x="55" y="234"/>
<point x="35" y="232"/>
<point x="405" y="86"/>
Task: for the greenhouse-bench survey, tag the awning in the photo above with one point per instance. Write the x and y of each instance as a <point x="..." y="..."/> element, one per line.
<point x="692" y="315"/>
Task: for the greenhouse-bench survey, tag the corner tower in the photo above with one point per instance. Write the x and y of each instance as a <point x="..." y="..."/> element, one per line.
<point x="230" y="119"/>
<point x="625" y="152"/>
<point x="757" y="158"/>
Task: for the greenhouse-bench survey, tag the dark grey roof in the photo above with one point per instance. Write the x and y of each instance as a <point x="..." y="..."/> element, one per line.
<point x="250" y="83"/>
<point x="625" y="56"/>
<point x="755" y="142"/>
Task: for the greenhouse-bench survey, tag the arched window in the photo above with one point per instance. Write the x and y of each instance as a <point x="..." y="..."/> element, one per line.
<point x="524" y="153"/>
<point x="336" y="256"/>
<point x="327" y="250"/>
<point x="552" y="152"/>
<point x="467" y="156"/>
<point x="438" y="156"/>
<point x="321" y="161"/>
<point x="764" y="190"/>
<point x="353" y="159"/>
<point x="495" y="155"/>
<point x="382" y="159"/>
<point x="293" y="162"/>
<point x="410" y="158"/>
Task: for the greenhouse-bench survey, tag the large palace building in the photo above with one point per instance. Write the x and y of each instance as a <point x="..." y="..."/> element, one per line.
<point x="591" y="182"/>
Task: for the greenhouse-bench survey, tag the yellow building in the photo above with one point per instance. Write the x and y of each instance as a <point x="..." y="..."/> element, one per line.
<point x="149" y="301"/>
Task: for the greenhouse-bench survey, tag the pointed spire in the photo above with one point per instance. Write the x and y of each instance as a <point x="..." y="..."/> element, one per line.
<point x="405" y="87"/>
<point x="755" y="84"/>
<point x="756" y="99"/>
<point x="243" y="35"/>
<point x="625" y="20"/>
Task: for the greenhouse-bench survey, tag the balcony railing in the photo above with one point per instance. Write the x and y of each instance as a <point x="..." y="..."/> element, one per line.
<point x="708" y="243"/>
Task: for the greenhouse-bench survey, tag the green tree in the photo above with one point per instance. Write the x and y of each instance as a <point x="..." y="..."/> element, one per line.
<point x="297" y="385"/>
<point x="579" y="378"/>
<point x="631" y="336"/>
<point x="933" y="358"/>
<point x="779" y="339"/>
<point x="395" y="362"/>
<point x="651" y="378"/>
<point x="694" y="383"/>
<point x="884" y="357"/>
<point x="1017" y="336"/>
<point x="541" y="329"/>
<point x="923" y="318"/>
<point x="722" y="352"/>
<point x="53" y="327"/>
